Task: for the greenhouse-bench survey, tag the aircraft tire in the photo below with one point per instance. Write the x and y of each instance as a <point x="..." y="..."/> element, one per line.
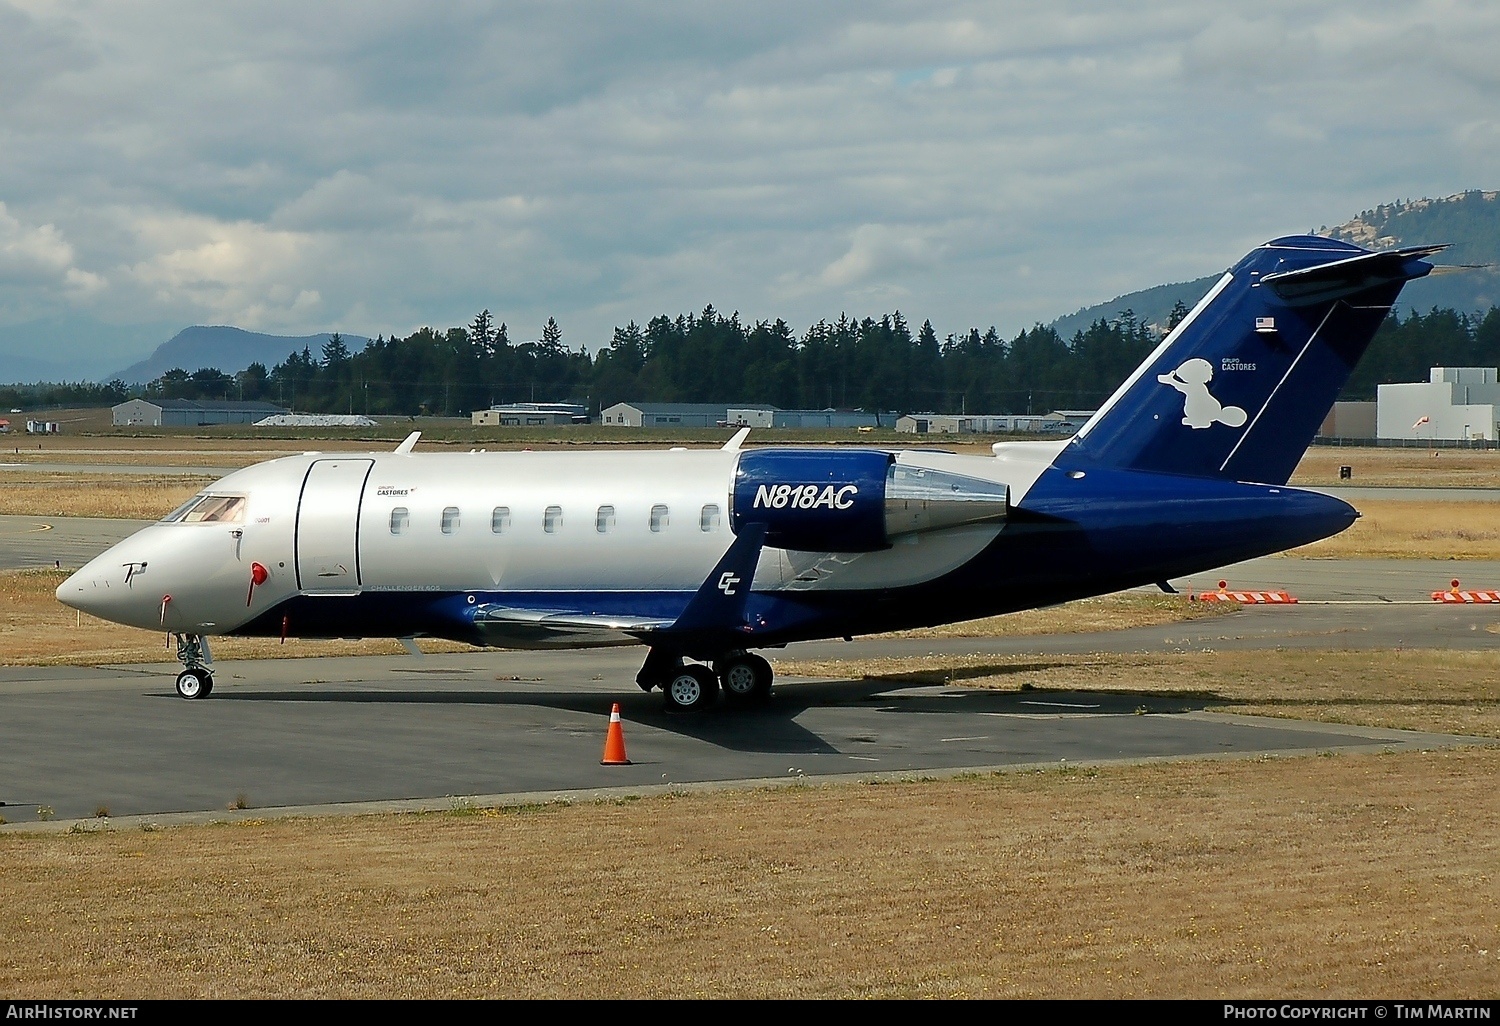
<point x="194" y="684"/>
<point x="691" y="688"/>
<point x="746" y="679"/>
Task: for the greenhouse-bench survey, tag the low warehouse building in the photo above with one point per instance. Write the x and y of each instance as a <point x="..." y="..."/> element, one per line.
<point x="771" y="417"/>
<point x="655" y="415"/>
<point x="1059" y="422"/>
<point x="1352" y="419"/>
<point x="531" y="415"/>
<point x="190" y="412"/>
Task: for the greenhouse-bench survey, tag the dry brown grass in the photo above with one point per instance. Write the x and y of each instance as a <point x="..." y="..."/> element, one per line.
<point x="37" y="630"/>
<point x="1444" y="691"/>
<point x="1105" y="613"/>
<point x="1394" y="529"/>
<point x="1371" y="466"/>
<point x="118" y="496"/>
<point x="1408" y="468"/>
<point x="148" y="457"/>
<point x="1341" y="877"/>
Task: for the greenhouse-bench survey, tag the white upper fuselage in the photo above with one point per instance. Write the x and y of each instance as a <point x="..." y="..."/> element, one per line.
<point x="492" y="522"/>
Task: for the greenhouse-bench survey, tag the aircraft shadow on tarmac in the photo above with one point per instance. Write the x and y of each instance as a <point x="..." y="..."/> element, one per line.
<point x="771" y="727"/>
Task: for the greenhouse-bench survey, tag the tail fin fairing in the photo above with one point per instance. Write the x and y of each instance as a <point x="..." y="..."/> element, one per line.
<point x="1238" y="389"/>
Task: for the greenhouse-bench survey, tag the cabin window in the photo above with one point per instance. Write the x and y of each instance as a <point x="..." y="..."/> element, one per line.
<point x="400" y="519"/>
<point x="552" y="519"/>
<point x="450" y="519"/>
<point x="500" y="519"/>
<point x="604" y="520"/>
<point x="709" y="520"/>
<point x="660" y="519"/>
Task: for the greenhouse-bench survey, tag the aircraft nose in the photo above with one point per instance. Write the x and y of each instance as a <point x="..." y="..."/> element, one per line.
<point x="99" y="589"/>
<point x="84" y="590"/>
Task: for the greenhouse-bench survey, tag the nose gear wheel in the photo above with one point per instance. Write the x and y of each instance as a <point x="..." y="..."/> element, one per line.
<point x="197" y="681"/>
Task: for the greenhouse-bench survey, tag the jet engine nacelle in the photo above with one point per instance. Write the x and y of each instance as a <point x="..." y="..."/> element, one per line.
<point x="834" y="500"/>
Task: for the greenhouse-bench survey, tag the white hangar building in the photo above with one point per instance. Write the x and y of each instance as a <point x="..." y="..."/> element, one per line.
<point x="1455" y="404"/>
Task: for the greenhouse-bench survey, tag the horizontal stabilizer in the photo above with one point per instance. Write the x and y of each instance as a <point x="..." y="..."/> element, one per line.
<point x="1339" y="278"/>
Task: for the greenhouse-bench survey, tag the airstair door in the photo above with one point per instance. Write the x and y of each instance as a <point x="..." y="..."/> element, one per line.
<point x="328" y="526"/>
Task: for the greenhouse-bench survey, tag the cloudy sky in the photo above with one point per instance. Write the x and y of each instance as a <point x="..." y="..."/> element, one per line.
<point x="373" y="167"/>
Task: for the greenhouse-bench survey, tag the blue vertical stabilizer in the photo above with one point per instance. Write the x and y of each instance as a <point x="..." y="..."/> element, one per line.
<point x="1239" y="388"/>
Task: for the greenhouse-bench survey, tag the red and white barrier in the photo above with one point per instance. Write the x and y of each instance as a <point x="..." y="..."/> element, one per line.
<point x="1456" y="594"/>
<point x="1244" y="597"/>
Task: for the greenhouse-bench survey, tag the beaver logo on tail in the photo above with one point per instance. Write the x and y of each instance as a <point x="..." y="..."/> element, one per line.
<point x="1199" y="409"/>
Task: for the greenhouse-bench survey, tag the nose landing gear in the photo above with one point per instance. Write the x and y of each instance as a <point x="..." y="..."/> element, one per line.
<point x="197" y="681"/>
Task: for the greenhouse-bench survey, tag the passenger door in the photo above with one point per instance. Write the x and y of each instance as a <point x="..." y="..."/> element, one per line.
<point x="328" y="526"/>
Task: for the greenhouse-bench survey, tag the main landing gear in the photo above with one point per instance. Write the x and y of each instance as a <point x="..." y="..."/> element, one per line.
<point x="197" y="681"/>
<point x="744" y="678"/>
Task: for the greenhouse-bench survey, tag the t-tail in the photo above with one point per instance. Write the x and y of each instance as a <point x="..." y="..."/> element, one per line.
<point x="1238" y="389"/>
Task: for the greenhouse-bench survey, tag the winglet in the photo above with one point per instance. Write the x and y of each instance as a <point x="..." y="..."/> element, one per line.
<point x="733" y="445"/>
<point x="719" y="604"/>
<point x="410" y="443"/>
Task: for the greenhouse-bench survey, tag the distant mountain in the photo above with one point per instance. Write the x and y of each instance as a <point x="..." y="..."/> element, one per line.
<point x="230" y="350"/>
<point x="15" y="369"/>
<point x="1151" y="306"/>
<point x="1469" y="221"/>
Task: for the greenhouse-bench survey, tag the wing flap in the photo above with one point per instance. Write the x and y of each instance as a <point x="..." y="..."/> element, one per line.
<point x="511" y="627"/>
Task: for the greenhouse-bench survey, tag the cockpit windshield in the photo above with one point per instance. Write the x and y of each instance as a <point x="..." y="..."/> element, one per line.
<point x="209" y="509"/>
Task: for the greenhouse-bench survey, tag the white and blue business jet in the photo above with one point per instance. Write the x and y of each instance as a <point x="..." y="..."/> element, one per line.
<point x="704" y="556"/>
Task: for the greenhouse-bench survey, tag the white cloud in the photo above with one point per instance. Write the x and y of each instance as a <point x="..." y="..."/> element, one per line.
<point x="377" y="166"/>
<point x="876" y="249"/>
<point x="238" y="272"/>
<point x="39" y="257"/>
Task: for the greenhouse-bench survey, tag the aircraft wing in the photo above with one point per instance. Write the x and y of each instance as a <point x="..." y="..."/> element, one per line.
<point x="567" y="618"/>
<point x="715" y="612"/>
<point x="514" y="627"/>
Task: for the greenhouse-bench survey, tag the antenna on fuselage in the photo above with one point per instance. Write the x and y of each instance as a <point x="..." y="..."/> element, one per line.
<point x="410" y="443"/>
<point x="733" y="445"/>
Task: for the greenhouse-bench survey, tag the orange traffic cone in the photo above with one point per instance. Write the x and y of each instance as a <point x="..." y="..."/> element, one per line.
<point x="614" y="742"/>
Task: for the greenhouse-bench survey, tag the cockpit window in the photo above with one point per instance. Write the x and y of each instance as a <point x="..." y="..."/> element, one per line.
<point x="209" y="509"/>
<point x="178" y="513"/>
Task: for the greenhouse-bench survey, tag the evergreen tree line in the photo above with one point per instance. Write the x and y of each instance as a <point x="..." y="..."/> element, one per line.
<point x="865" y="364"/>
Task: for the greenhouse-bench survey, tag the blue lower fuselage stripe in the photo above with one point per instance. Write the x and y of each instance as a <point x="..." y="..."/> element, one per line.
<point x="1072" y="536"/>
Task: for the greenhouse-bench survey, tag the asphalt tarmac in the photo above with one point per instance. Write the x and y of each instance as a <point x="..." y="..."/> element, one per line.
<point x="369" y="734"/>
<point x="67" y="542"/>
